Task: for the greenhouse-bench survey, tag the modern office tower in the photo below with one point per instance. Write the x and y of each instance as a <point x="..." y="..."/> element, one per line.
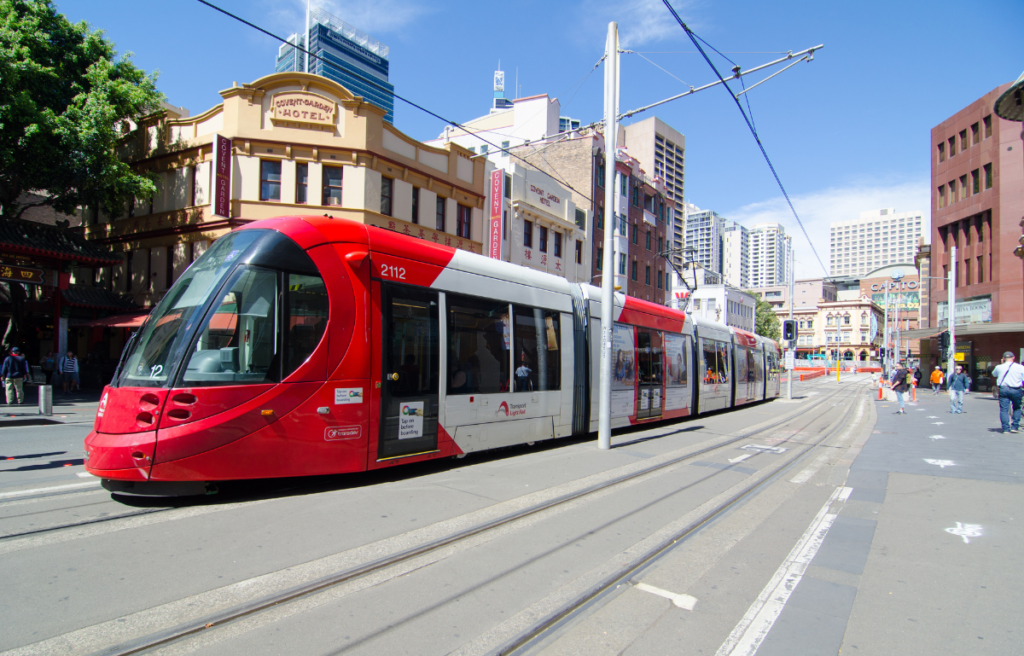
<point x="878" y="238"/>
<point x="736" y="255"/>
<point x="770" y="255"/>
<point x="661" y="151"/>
<point x="353" y="59"/>
<point x="704" y="233"/>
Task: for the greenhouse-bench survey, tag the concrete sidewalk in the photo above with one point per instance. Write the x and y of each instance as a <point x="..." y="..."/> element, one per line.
<point x="74" y="407"/>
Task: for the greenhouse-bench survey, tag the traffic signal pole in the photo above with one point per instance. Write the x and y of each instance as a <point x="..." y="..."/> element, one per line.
<point x="951" y="314"/>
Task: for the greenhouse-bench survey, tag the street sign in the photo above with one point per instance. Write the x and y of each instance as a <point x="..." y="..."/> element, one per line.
<point x="790" y="360"/>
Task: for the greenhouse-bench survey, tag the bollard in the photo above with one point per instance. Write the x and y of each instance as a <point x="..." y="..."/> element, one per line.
<point x="45" y="400"/>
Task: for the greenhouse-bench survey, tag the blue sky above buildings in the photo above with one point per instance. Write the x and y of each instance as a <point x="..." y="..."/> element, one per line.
<point x="847" y="132"/>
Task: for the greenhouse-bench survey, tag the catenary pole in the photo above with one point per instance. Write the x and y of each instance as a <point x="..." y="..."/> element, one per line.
<point x="951" y="314"/>
<point x="789" y="378"/>
<point x="885" y="335"/>
<point x="611" y="103"/>
<point x="306" y="69"/>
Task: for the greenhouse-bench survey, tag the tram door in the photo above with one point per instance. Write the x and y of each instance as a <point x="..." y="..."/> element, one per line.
<point x="411" y="362"/>
<point x="650" y="380"/>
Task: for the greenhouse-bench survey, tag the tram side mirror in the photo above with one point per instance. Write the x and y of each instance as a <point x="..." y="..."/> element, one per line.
<point x="229" y="359"/>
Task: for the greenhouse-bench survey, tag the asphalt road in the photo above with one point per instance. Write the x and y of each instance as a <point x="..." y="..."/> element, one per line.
<point x="681" y="539"/>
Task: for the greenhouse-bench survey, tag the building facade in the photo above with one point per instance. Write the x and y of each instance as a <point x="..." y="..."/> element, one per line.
<point x="704" y="229"/>
<point x="878" y="238"/>
<point x="771" y="251"/>
<point x="287" y="144"/>
<point x="725" y="304"/>
<point x="736" y="255"/>
<point x="344" y="54"/>
<point x="541" y="227"/>
<point x="977" y="205"/>
<point x="661" y="151"/>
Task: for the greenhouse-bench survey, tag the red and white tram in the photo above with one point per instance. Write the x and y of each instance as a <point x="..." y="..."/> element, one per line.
<point x="308" y="345"/>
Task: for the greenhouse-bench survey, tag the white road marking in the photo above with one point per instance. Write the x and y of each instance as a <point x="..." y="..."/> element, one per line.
<point x="938" y="423"/>
<point x="741" y="458"/>
<point x="684" y="601"/>
<point x="762" y="447"/>
<point x="932" y="417"/>
<point x="966" y="531"/>
<point x="940" y="463"/>
<point x="936" y="437"/>
<point x="44" y="490"/>
<point x="811" y="470"/>
<point x="85" y="475"/>
<point x="751" y="631"/>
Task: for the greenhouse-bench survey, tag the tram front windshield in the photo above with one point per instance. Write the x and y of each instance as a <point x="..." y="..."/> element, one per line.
<point x="166" y="335"/>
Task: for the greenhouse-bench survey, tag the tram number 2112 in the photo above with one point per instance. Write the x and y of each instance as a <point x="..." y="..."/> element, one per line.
<point x="393" y="272"/>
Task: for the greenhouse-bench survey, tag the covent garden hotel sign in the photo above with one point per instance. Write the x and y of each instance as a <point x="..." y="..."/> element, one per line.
<point x="303" y="107"/>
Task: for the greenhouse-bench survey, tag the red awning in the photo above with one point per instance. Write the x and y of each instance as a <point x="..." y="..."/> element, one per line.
<point x="117" y="321"/>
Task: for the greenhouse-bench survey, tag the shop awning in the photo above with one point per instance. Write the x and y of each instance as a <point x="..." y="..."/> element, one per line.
<point x="117" y="321"/>
<point x="966" y="329"/>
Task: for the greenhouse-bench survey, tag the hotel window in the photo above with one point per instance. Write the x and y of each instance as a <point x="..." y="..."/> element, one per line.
<point x="648" y="240"/>
<point x="579" y="252"/>
<point x="558" y="244"/>
<point x="542" y="239"/>
<point x="462" y="227"/>
<point x="988" y="125"/>
<point x="508" y="186"/>
<point x="386" y="185"/>
<point x="988" y="175"/>
<point x="636" y="234"/>
<point x="301" y="182"/>
<point x="416" y="205"/>
<point x="975" y="134"/>
<point x="483" y="149"/>
<point x="270" y="180"/>
<point x="440" y="207"/>
<point x="942" y="152"/>
<point x="622" y="264"/>
<point x="632" y="270"/>
<point x="528" y="234"/>
<point x="661" y="278"/>
<point x="647" y="275"/>
<point x="332" y="185"/>
<point x="975" y="181"/>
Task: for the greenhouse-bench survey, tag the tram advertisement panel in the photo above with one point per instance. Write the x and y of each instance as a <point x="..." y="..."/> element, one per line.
<point x="676" y="391"/>
<point x="623" y="371"/>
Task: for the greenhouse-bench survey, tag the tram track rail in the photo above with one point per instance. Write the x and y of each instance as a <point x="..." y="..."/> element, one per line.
<point x="240" y="611"/>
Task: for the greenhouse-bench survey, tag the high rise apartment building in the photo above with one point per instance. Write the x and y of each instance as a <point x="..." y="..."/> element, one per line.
<point x="736" y="255"/>
<point x="771" y="251"/>
<point x="661" y="151"/>
<point x="345" y="55"/>
<point x="704" y="233"/>
<point x="878" y="238"/>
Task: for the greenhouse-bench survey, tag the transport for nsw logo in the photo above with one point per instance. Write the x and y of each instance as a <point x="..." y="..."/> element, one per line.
<point x="511" y="410"/>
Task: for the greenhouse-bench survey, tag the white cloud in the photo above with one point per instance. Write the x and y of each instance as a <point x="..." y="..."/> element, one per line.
<point x="820" y="208"/>
<point x="641" y="21"/>
<point x="371" y="16"/>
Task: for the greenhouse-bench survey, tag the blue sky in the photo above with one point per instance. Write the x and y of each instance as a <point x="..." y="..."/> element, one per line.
<point x="846" y="132"/>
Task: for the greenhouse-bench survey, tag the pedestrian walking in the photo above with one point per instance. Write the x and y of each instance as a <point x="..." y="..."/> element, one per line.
<point x="14" y="372"/>
<point x="936" y="380"/>
<point x="917" y="376"/>
<point x="957" y="387"/>
<point x="68" y="367"/>
<point x="1009" y="378"/>
<point x="900" y="386"/>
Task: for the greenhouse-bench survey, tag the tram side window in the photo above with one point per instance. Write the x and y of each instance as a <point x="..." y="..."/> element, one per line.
<point x="479" y="340"/>
<point x="723" y="362"/>
<point x="675" y="352"/>
<point x="710" y="357"/>
<point x="307" y="319"/>
<point x="742" y="364"/>
<point x="537" y="354"/>
<point x="238" y="344"/>
<point x="757" y="366"/>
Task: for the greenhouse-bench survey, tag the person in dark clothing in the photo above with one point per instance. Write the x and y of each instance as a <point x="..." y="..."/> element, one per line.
<point x="13" y="373"/>
<point x="900" y="386"/>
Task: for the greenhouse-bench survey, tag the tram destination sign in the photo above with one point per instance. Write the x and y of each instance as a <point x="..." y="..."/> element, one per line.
<point x="27" y="275"/>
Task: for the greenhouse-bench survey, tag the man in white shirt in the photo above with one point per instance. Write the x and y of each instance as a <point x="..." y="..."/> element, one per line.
<point x="1009" y="377"/>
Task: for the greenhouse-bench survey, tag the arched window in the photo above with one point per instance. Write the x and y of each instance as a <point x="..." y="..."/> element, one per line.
<point x="828" y="320"/>
<point x="846" y="319"/>
<point x="863" y="318"/>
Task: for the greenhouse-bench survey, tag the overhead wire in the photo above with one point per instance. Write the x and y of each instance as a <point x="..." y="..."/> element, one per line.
<point x="382" y="88"/>
<point x="693" y="37"/>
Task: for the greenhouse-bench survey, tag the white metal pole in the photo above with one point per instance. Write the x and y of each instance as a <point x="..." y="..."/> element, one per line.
<point x="789" y="378"/>
<point x="951" y="314"/>
<point x="885" y="333"/>
<point x="611" y="93"/>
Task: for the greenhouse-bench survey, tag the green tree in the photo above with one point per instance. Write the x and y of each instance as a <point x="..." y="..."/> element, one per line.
<point x="766" y="323"/>
<point x="66" y="103"/>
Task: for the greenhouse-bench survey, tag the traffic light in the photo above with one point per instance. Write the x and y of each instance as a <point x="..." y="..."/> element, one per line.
<point x="789" y="330"/>
<point x="944" y="342"/>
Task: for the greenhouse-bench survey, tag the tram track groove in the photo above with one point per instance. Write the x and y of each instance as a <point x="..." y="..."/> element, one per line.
<point x="234" y="612"/>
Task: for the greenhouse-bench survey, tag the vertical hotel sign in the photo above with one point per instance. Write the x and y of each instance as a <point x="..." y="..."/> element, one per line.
<point x="222" y="176"/>
<point x="497" y="205"/>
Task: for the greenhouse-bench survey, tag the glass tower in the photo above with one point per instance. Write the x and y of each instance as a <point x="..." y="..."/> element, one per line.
<point x="347" y="55"/>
